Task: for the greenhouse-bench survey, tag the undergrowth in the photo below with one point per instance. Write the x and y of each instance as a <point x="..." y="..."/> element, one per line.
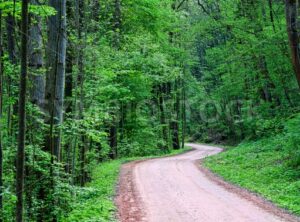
<point x="269" y="166"/>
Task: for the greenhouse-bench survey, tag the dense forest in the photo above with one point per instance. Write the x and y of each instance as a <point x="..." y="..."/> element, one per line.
<point x="86" y="81"/>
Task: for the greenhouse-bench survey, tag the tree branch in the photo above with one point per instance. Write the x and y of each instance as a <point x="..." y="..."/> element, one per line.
<point x="180" y="4"/>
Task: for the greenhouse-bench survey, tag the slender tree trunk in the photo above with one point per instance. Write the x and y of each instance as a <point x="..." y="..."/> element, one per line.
<point x="123" y="111"/>
<point x="272" y="14"/>
<point x="73" y="167"/>
<point x="11" y="46"/>
<point x="163" y="118"/>
<point x="113" y="140"/>
<point x="1" y="102"/>
<point x="175" y="118"/>
<point x="82" y="161"/>
<point x="69" y="110"/>
<point x="292" y="29"/>
<point x="183" y="112"/>
<point x="80" y="25"/>
<point x="22" y="114"/>
<point x="69" y="84"/>
<point x="116" y="42"/>
<point x="269" y="86"/>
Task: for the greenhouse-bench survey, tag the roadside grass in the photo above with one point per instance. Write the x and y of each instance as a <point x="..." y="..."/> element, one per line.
<point x="95" y="202"/>
<point x="268" y="167"/>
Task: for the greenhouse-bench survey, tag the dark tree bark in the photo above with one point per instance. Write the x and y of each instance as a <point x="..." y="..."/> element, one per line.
<point x="11" y="44"/>
<point x="69" y="107"/>
<point x="175" y="118"/>
<point x="116" y="42"/>
<point x="292" y="8"/>
<point x="272" y="14"/>
<point x="113" y="141"/>
<point x="69" y="84"/>
<point x="1" y="148"/>
<point x="22" y="114"/>
<point x="123" y="113"/>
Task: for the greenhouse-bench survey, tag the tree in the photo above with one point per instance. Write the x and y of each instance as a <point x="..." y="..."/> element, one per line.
<point x="116" y="43"/>
<point x="292" y="18"/>
<point x="55" y="79"/>
<point x="12" y="52"/>
<point x="22" y="114"/>
<point x="54" y="98"/>
<point x="1" y="104"/>
<point x="36" y="60"/>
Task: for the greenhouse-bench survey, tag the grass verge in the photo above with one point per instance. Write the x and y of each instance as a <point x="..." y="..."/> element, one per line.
<point x="268" y="167"/>
<point x="95" y="203"/>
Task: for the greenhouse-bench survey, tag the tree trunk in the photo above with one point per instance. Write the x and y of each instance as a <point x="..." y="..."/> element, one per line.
<point x="22" y="114"/>
<point x="175" y="118"/>
<point x="183" y="112"/>
<point x="82" y="161"/>
<point x="36" y="61"/>
<point x="113" y="140"/>
<point x="163" y="118"/>
<point x="116" y="42"/>
<point x="80" y="24"/>
<point x="11" y="46"/>
<point x="272" y="14"/>
<point x="55" y="79"/>
<point x="69" y="84"/>
<point x="292" y="29"/>
<point x="54" y="96"/>
<point x="1" y="102"/>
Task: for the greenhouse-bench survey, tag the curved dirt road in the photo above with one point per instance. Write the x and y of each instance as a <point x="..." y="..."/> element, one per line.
<point x="174" y="189"/>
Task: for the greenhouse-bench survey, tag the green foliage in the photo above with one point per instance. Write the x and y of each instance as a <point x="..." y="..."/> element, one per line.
<point x="268" y="166"/>
<point x="9" y="7"/>
<point x="94" y="203"/>
<point x="221" y="73"/>
<point x="243" y="69"/>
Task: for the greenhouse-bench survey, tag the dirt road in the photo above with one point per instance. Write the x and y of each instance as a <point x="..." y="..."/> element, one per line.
<point x="175" y="189"/>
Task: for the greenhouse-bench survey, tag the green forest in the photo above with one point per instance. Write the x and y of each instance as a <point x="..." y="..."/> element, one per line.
<point x="87" y="85"/>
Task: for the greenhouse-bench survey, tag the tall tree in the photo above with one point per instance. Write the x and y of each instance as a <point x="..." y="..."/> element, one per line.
<point x="54" y="97"/>
<point x="35" y="62"/>
<point x="116" y="43"/>
<point x="161" y="105"/>
<point x="292" y="19"/>
<point x="1" y="102"/>
<point x="80" y="6"/>
<point x="22" y="114"/>
<point x="12" y="54"/>
<point x="55" y="79"/>
<point x="175" y="117"/>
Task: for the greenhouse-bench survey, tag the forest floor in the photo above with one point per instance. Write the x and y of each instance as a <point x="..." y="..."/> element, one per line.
<point x="179" y="189"/>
